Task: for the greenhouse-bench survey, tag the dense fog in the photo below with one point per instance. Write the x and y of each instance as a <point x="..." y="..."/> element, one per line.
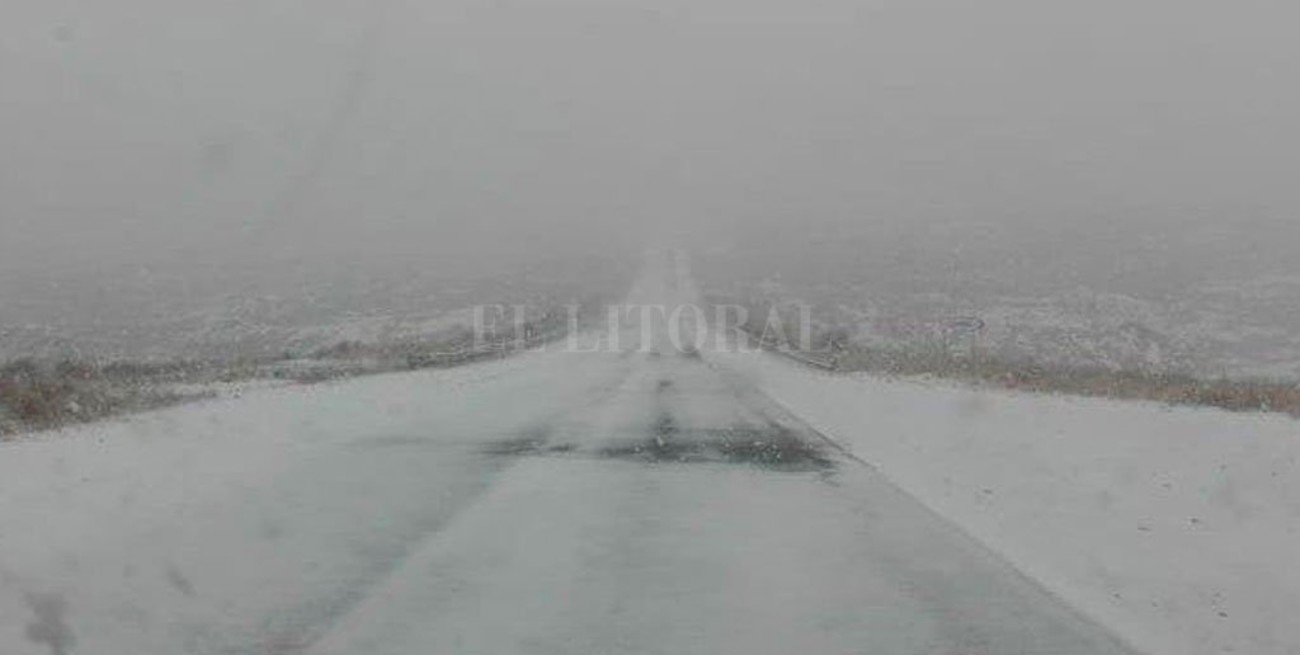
<point x="390" y="327"/>
<point x="165" y="154"/>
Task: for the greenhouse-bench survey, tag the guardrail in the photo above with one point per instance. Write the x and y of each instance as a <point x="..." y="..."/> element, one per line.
<point x="789" y="353"/>
<point x="474" y="353"/>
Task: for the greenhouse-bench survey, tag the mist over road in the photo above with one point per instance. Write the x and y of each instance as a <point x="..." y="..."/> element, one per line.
<point x="204" y="197"/>
<point x="638" y="500"/>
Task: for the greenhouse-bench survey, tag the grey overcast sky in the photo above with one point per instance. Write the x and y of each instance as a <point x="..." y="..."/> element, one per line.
<point x="188" y="136"/>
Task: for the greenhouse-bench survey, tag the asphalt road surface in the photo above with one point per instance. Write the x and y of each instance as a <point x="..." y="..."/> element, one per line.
<point x="638" y="499"/>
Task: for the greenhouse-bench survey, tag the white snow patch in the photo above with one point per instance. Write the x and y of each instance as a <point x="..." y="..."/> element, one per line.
<point x="1176" y="527"/>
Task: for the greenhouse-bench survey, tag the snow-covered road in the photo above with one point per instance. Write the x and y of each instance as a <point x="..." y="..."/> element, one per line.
<point x="643" y="500"/>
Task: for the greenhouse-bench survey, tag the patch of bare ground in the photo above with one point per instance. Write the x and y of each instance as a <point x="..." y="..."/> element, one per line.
<point x="1170" y="387"/>
<point x="43" y="395"/>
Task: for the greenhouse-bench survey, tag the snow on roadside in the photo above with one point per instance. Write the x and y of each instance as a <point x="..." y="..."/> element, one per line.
<point x="1178" y="528"/>
<point x="118" y="523"/>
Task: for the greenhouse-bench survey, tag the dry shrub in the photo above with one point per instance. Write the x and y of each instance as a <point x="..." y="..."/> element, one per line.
<point x="1177" y="388"/>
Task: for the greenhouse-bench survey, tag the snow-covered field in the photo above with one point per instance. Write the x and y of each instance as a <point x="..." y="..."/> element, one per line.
<point x="334" y="516"/>
<point x="1162" y="300"/>
<point x="1178" y="528"/>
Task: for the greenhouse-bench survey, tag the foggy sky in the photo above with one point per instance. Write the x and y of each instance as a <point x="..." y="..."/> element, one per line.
<point x="204" y="141"/>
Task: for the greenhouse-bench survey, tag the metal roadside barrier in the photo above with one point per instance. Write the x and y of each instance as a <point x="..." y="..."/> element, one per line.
<point x="789" y="353"/>
<point x="473" y="353"/>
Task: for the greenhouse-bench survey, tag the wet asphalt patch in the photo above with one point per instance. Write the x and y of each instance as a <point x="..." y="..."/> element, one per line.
<point x="525" y="446"/>
<point x="532" y="441"/>
<point x="770" y="447"/>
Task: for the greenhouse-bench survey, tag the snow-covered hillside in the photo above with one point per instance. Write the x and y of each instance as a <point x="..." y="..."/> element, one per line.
<point x="1168" y="300"/>
<point x="153" y="318"/>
